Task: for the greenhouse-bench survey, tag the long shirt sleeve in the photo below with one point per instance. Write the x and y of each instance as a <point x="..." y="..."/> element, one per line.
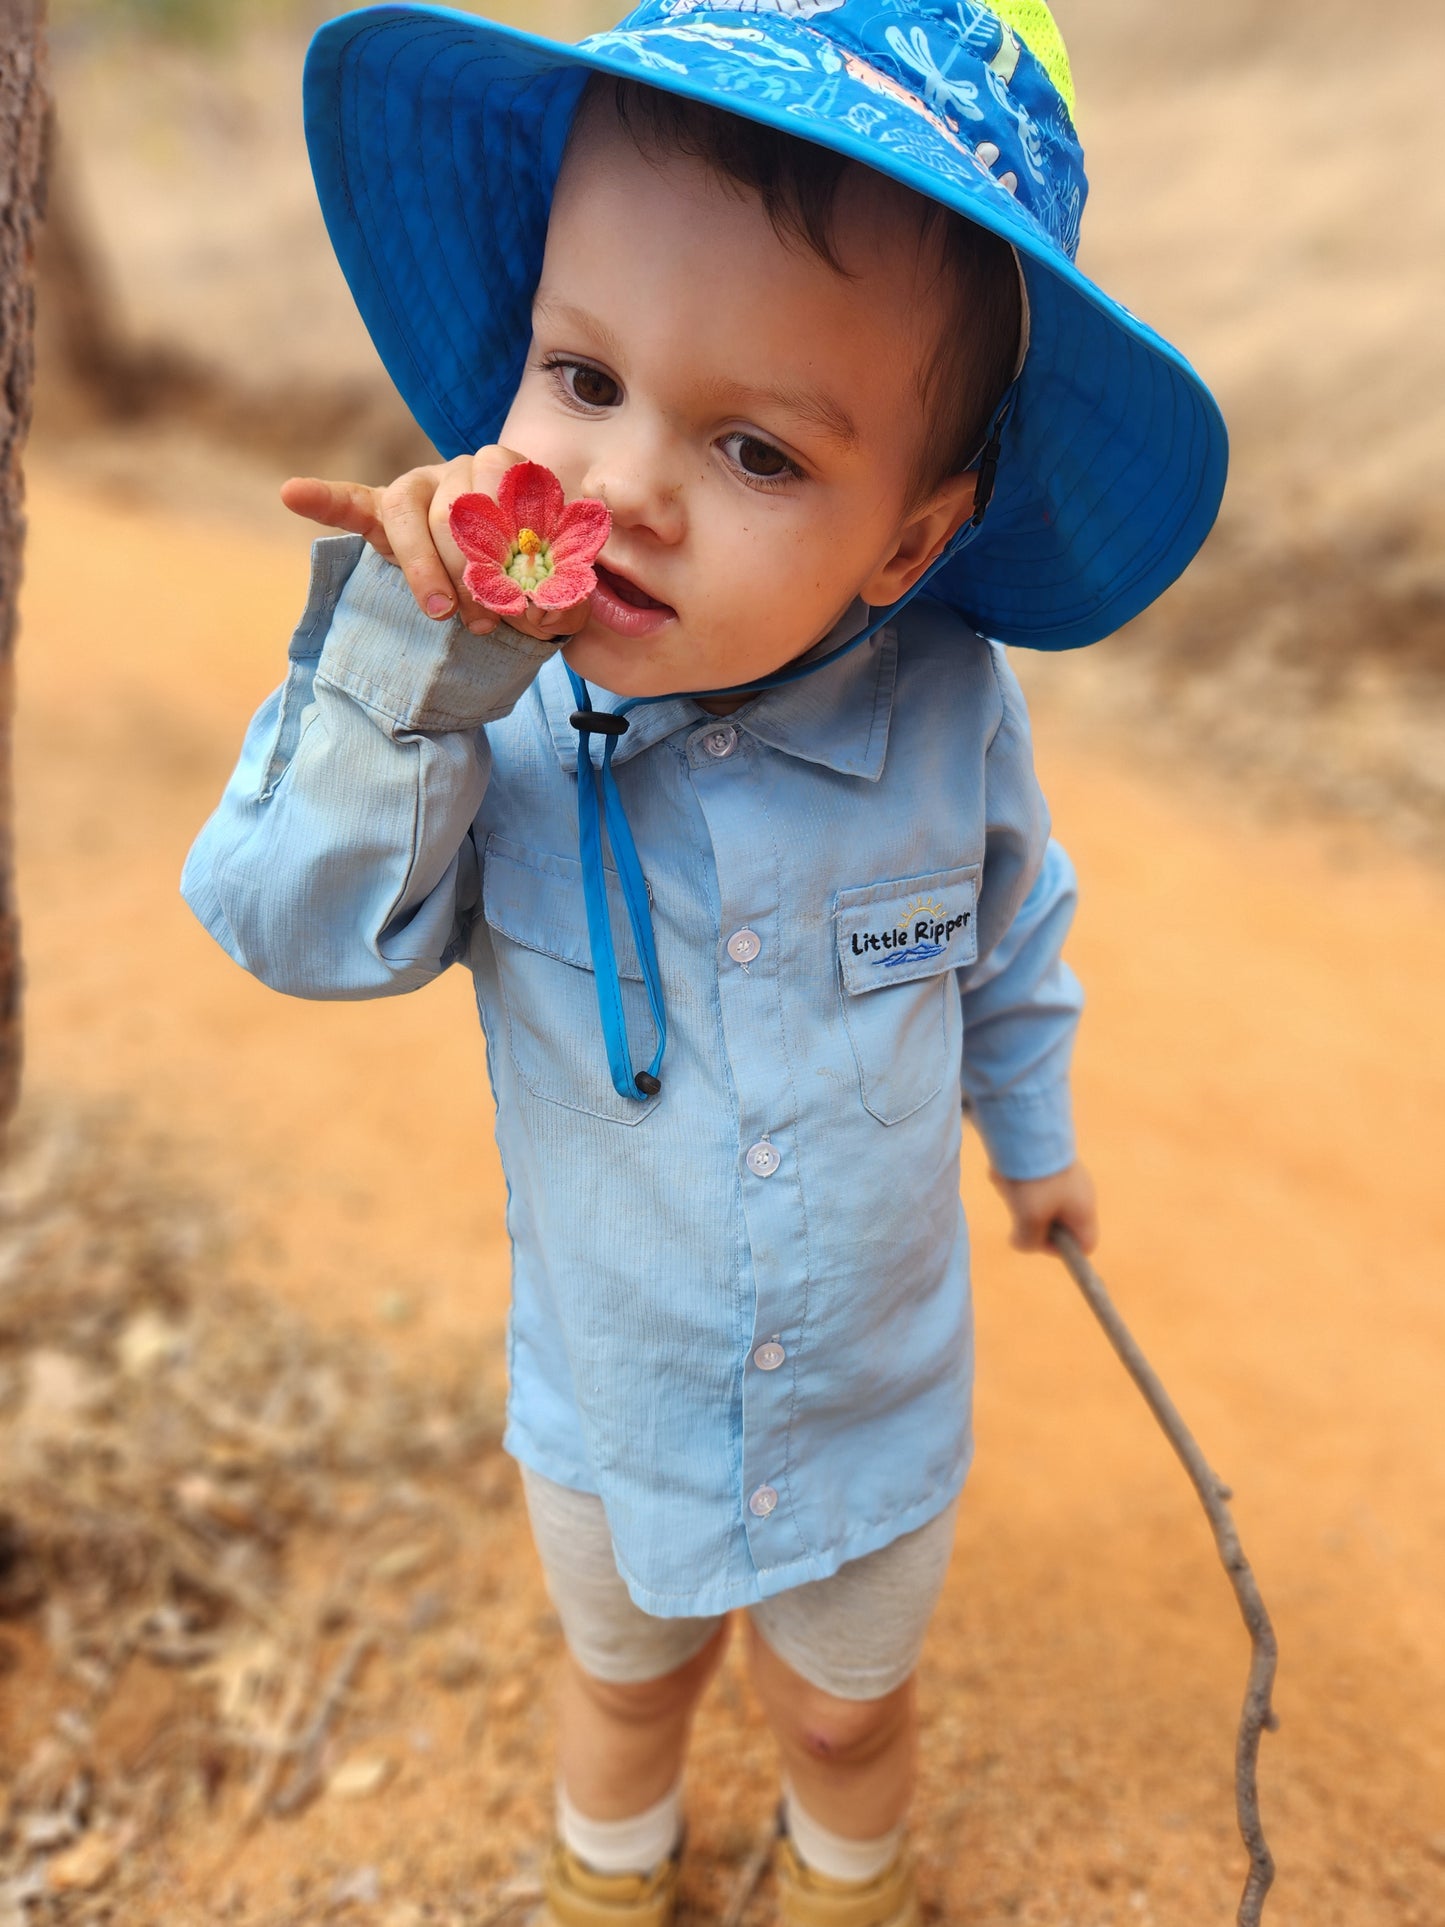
<point x="1021" y="1001"/>
<point x="339" y="862"/>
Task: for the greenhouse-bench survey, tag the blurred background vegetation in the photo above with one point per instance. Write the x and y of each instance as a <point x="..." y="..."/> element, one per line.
<point x="1266" y="197"/>
<point x="187" y="1370"/>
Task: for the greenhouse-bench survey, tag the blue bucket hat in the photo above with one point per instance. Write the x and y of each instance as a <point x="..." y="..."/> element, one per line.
<point x="436" y="138"/>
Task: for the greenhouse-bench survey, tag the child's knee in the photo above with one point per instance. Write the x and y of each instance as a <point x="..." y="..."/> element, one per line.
<point x="838" y="1732"/>
<point x="644" y="1702"/>
<point x="833" y="1731"/>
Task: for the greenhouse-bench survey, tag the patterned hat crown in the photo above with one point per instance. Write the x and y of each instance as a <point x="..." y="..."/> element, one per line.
<point x="994" y="82"/>
<point x="1035" y="26"/>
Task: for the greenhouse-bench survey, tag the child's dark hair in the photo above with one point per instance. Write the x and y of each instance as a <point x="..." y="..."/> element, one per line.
<point x="797" y="182"/>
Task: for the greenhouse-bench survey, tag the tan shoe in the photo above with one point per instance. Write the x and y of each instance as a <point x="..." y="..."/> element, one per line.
<point x="808" y="1899"/>
<point x="573" y="1895"/>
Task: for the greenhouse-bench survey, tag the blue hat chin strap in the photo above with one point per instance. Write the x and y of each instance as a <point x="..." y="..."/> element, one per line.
<point x="598" y="801"/>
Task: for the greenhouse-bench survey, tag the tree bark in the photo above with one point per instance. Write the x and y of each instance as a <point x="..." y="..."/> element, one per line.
<point x="23" y="102"/>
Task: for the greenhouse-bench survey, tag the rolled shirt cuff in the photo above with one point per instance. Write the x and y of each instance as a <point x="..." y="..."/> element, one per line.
<point x="418" y="672"/>
<point x="1028" y="1134"/>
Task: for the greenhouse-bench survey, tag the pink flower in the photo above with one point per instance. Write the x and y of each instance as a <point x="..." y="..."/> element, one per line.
<point x="529" y="545"/>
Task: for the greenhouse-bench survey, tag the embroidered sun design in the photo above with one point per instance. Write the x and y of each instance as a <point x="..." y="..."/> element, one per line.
<point x="920" y="907"/>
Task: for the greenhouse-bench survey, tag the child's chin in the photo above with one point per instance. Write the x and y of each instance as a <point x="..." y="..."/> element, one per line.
<point x="597" y="655"/>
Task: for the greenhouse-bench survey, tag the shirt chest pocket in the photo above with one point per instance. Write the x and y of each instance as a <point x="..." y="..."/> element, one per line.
<point x="899" y="943"/>
<point x="535" y="908"/>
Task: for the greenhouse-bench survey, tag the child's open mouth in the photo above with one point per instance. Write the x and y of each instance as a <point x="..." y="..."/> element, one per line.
<point x="620" y="605"/>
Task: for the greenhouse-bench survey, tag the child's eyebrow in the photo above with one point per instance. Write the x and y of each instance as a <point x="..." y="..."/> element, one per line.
<point x="549" y="305"/>
<point x="810" y="405"/>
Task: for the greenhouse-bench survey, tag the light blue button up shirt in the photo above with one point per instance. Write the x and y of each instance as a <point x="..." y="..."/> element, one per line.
<point x="740" y="1309"/>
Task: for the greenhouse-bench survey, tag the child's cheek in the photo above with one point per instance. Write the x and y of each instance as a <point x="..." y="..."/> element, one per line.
<point x="533" y="428"/>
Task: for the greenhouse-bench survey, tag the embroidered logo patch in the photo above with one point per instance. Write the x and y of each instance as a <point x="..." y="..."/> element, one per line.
<point x="914" y="927"/>
<point x="923" y="930"/>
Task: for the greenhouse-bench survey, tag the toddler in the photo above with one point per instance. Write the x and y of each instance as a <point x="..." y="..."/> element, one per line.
<point x="745" y="852"/>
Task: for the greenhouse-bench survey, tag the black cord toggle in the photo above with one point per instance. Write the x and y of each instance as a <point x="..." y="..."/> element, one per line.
<point x="647" y="1083"/>
<point x="988" y="462"/>
<point x="601" y="722"/>
<point x="987" y="470"/>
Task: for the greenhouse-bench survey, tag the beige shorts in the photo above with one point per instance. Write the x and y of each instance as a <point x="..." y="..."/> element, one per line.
<point x="856" y="1634"/>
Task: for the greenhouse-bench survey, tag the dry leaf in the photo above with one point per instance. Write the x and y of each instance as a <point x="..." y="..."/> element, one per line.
<point x="60" y="1390"/>
<point x="360" y="1889"/>
<point x="402" y="1561"/>
<point x="149" y="1340"/>
<point x="88" y="1864"/>
<point x="357" y="1779"/>
<point x="511" y="1696"/>
<point x="205" y="1501"/>
<point x="461" y="1664"/>
<point x="245" y="1676"/>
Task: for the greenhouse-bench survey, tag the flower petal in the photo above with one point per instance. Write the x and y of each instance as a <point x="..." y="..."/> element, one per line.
<point x="479" y="529"/>
<point x="582" y="529"/>
<point x="493" y="588"/>
<point x="573" y="582"/>
<point x="530" y="497"/>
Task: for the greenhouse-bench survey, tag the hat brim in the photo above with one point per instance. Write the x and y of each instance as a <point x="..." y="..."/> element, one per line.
<point x="435" y="140"/>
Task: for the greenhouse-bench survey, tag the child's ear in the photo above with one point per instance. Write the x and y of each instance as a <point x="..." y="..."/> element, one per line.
<point x="921" y="538"/>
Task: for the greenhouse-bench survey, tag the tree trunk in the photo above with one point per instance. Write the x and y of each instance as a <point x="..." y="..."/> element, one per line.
<point x="23" y="101"/>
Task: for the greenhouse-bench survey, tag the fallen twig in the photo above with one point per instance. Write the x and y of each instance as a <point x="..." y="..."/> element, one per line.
<point x="211" y="1578"/>
<point x="1257" y="1712"/>
<point x="754" y="1867"/>
<point x="515" y="1894"/>
<point x="307" y="1777"/>
<point x="279" y="1746"/>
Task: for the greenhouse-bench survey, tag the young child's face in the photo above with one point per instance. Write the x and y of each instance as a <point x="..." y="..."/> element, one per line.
<point x="751" y="417"/>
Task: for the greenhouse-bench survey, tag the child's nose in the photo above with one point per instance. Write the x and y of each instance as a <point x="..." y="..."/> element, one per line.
<point x="643" y="492"/>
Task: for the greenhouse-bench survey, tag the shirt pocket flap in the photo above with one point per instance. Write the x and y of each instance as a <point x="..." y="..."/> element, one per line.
<point x="536" y="899"/>
<point x="892" y="933"/>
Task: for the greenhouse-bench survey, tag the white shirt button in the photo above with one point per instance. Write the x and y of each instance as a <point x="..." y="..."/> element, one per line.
<point x="744" y="945"/>
<point x="769" y="1357"/>
<point x="763" y="1159"/>
<point x="763" y="1501"/>
<point x="721" y="742"/>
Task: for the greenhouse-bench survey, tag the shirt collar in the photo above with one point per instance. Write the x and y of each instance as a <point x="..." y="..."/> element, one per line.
<point x="838" y="716"/>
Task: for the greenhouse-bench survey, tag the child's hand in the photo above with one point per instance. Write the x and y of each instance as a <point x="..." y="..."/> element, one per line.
<point x="407" y="521"/>
<point x="1036" y="1204"/>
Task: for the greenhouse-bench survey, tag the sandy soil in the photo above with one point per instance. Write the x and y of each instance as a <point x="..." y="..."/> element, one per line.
<point x="1260" y="1081"/>
<point x="1260" y="1073"/>
<point x="1264" y="188"/>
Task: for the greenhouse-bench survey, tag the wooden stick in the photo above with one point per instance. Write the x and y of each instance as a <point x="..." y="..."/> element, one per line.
<point x="1257" y="1713"/>
<point x="306" y="1779"/>
<point x="753" y="1869"/>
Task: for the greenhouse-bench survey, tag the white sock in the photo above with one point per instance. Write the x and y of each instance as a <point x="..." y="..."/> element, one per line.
<point x="635" y="1845"/>
<point x="829" y="1853"/>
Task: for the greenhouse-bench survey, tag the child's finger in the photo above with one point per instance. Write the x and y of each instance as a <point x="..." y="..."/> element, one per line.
<point x="1083" y="1221"/>
<point x="550" y="625"/>
<point x="339" y="505"/>
<point x="453" y="480"/>
<point x="558" y="624"/>
<point x="1029" y="1231"/>
<point x="489" y="465"/>
<point x="406" y="511"/>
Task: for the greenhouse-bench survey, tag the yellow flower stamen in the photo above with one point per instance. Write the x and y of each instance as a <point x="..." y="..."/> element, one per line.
<point x="530" y="562"/>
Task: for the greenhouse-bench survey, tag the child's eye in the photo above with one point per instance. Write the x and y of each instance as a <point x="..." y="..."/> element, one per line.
<point x="581" y="382"/>
<point x="760" y="462"/>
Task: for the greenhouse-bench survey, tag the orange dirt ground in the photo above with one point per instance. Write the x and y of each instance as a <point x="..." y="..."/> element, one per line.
<point x="1260" y="1084"/>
